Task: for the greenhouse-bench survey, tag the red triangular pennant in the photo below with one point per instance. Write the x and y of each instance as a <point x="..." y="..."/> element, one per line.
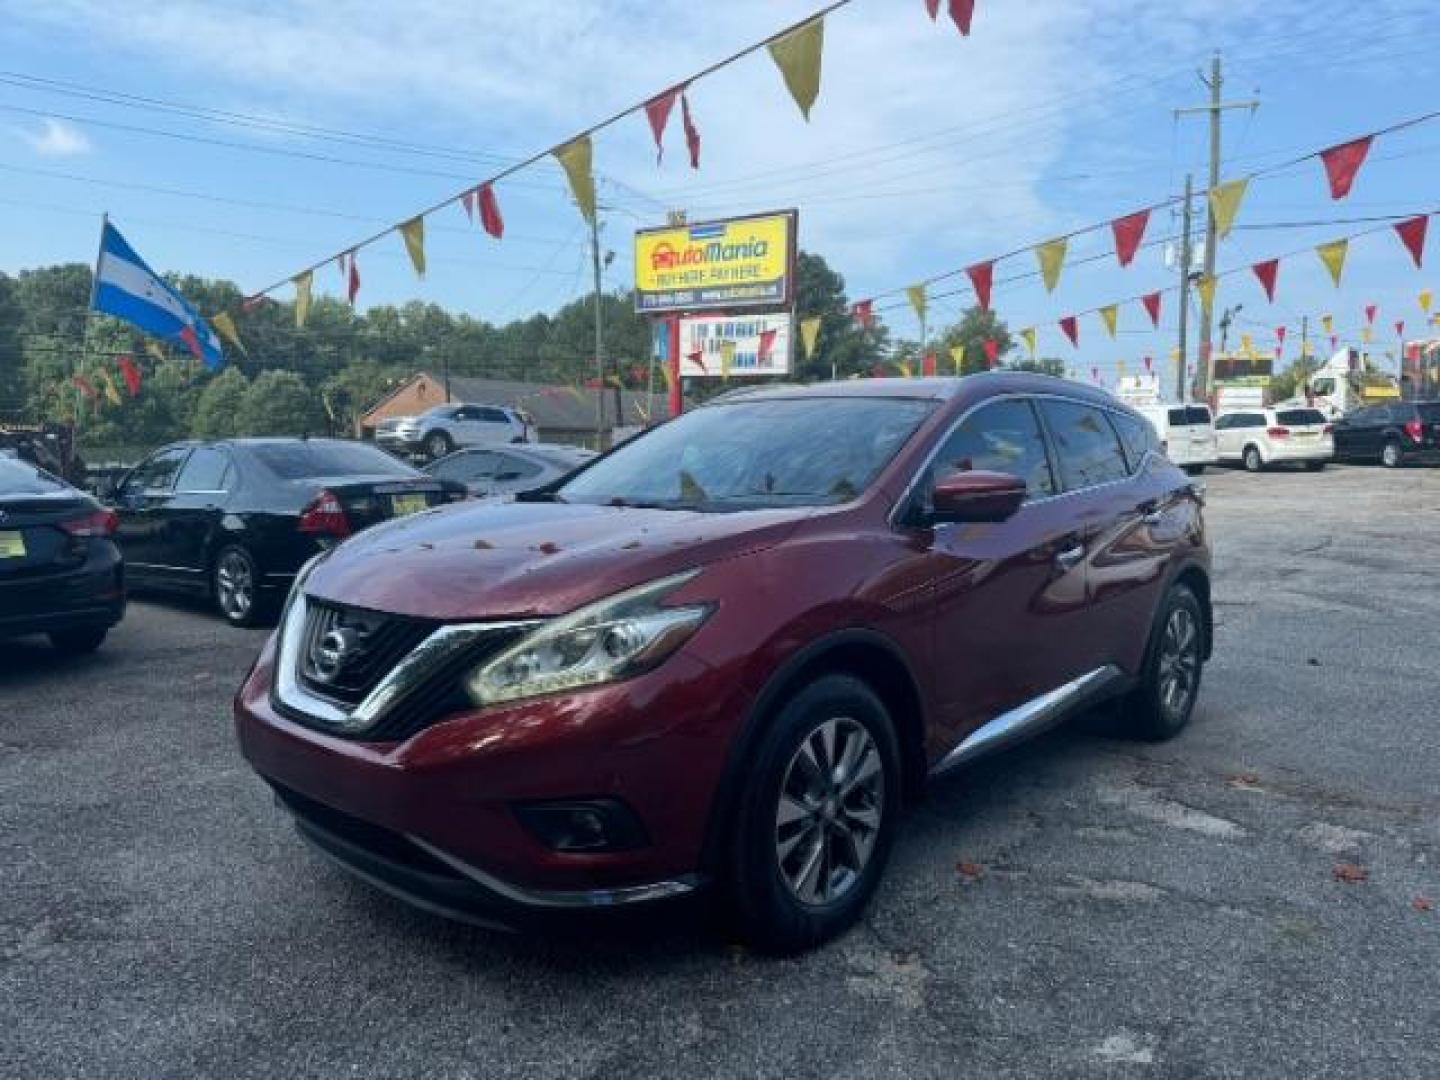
<point x="698" y="359"/>
<point x="130" y="372"/>
<point x="927" y="364"/>
<point x="992" y="351"/>
<point x="1280" y="334"/>
<point x="1152" y="307"/>
<point x="192" y="342"/>
<point x="982" y="277"/>
<point x="962" y="11"/>
<point x="1412" y="235"/>
<point x="863" y="312"/>
<point x="490" y="212"/>
<point x="352" y="284"/>
<point x="1370" y="310"/>
<point x="1343" y="162"/>
<point x="1071" y="329"/>
<point x="1267" y="271"/>
<point x="933" y="7"/>
<point x="1129" y="231"/>
<point x="467" y="200"/>
<point x="767" y="345"/>
<point x="85" y="386"/>
<point x="692" y="133"/>
<point x="657" y="111"/>
<point x="1399" y="328"/>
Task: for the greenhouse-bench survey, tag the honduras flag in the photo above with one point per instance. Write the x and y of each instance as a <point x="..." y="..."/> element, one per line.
<point x="128" y="289"/>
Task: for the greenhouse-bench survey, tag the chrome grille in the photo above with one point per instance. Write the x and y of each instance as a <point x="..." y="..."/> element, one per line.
<point x="346" y="651"/>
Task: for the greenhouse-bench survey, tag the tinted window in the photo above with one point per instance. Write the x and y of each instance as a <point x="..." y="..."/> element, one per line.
<point x="466" y="467"/>
<point x="1177" y="417"/>
<point x="1197" y="414"/>
<point x="492" y="416"/>
<point x="1299" y="417"/>
<point x="514" y="467"/>
<point x="1367" y="416"/>
<point x="19" y="478"/>
<point x="1002" y="437"/>
<point x="1223" y="422"/>
<point x="302" y="460"/>
<point x="1429" y="412"/>
<point x="808" y="451"/>
<point x="205" y="471"/>
<point x="1138" y="437"/>
<point x="442" y="412"/>
<point x="1087" y="446"/>
<point x="1247" y="420"/>
<point x="158" y="473"/>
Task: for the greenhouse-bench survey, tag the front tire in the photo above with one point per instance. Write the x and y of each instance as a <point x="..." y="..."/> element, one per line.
<point x="1194" y="470"/>
<point x="1315" y="466"/>
<point x="235" y="585"/>
<point x="1160" y="707"/>
<point x="817" y="816"/>
<point x="438" y="444"/>
<point x="1390" y="455"/>
<point x="79" y="641"/>
<point x="1253" y="461"/>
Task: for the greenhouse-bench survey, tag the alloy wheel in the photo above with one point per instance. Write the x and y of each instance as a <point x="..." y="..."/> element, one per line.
<point x="1179" y="671"/>
<point x="830" y="809"/>
<point x="1390" y="456"/>
<point x="234" y="585"/>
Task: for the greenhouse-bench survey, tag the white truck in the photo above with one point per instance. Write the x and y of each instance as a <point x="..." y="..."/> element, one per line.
<point x="1342" y="385"/>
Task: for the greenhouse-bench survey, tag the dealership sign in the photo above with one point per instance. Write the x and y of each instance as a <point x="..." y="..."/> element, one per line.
<point x="735" y="263"/>
<point x="757" y="344"/>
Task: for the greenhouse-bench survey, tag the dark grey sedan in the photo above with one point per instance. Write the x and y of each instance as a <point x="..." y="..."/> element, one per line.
<point x="513" y="470"/>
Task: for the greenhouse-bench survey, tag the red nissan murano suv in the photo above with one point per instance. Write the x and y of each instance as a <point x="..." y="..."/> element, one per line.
<point x="727" y="653"/>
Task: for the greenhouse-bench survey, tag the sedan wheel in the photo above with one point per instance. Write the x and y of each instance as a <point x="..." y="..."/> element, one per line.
<point x="1390" y="456"/>
<point x="1253" y="461"/>
<point x="831" y="806"/>
<point x="1179" y="664"/>
<point x="235" y="586"/>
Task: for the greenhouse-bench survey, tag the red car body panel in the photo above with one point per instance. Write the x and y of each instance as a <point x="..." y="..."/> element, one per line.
<point x="982" y="616"/>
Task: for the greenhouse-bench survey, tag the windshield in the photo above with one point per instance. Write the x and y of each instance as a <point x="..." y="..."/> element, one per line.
<point x="302" y="460"/>
<point x="746" y="455"/>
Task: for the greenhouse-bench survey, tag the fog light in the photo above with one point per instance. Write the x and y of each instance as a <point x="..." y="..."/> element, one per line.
<point x="584" y="825"/>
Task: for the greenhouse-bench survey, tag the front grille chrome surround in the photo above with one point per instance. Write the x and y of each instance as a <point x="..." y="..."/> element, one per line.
<point x="424" y="676"/>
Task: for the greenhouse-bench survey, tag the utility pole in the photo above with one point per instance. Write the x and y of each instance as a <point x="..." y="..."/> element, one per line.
<point x="1304" y="341"/>
<point x="1181" y="365"/>
<point x="599" y="334"/>
<point x="1215" y="108"/>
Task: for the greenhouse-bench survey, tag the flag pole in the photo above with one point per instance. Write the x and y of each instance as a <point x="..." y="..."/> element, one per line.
<point x="90" y="320"/>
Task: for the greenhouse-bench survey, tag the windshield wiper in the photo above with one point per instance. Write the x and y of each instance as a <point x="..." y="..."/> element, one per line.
<point x="650" y="504"/>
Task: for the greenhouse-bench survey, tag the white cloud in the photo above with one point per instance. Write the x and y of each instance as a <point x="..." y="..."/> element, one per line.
<point x="58" y="139"/>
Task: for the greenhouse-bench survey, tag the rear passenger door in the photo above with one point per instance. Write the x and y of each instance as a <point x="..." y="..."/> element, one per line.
<point x="142" y="504"/>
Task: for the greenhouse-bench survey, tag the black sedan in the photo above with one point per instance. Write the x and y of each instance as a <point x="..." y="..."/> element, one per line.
<point x="496" y="473"/>
<point x="60" y="572"/>
<point x="235" y="520"/>
<point x="1393" y="434"/>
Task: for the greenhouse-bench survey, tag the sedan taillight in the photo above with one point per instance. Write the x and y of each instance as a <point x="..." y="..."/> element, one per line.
<point x="95" y="523"/>
<point x="1415" y="430"/>
<point x="1328" y="429"/>
<point x="325" y="516"/>
<point x="1278" y="432"/>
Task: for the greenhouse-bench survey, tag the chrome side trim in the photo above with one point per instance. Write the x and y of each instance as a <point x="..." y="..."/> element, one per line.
<point x="564" y="898"/>
<point x="1031" y="718"/>
<point x="406" y="676"/>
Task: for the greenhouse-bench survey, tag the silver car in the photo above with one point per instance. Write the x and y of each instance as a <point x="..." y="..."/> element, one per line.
<point x="445" y="428"/>
<point x="503" y="473"/>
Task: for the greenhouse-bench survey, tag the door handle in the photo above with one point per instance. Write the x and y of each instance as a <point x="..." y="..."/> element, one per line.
<point x="1070" y="557"/>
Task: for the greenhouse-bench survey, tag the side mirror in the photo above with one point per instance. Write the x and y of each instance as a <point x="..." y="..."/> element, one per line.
<point x="976" y="496"/>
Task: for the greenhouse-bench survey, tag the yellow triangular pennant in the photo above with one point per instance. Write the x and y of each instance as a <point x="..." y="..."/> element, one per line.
<point x="1110" y="316"/>
<point x="1028" y="336"/>
<point x="1366" y="334"/>
<point x="1425" y="297"/>
<point x="112" y="395"/>
<point x="957" y="353"/>
<point x="918" y="300"/>
<point x="905" y="369"/>
<point x="1206" y="288"/>
<point x="1052" y="256"/>
<point x="727" y="357"/>
<point x="809" y="335"/>
<point x="1333" y="256"/>
<point x="154" y="349"/>
<point x="574" y="158"/>
<point x="797" y="55"/>
<point x="302" y="284"/>
<point x="414" y="233"/>
<point x="1225" y="204"/>
<point x="1328" y="322"/>
<point x="1247" y="344"/>
<point x="226" y="325"/>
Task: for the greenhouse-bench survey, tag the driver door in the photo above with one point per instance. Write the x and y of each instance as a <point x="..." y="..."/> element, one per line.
<point x="142" y="503"/>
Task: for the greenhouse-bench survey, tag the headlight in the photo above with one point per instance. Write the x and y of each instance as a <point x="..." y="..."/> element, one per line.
<point x="611" y="639"/>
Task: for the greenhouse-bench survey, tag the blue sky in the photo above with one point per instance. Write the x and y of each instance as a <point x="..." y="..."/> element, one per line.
<point x="925" y="152"/>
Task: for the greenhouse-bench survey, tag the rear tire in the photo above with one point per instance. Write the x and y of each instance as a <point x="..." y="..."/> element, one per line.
<point x="1252" y="460"/>
<point x="438" y="444"/>
<point x="817" y="817"/>
<point x="79" y="641"/>
<point x="1160" y="707"/>
<point x="1315" y="466"/>
<point x="1391" y="455"/>
<point x="235" y="586"/>
<point x="1194" y="470"/>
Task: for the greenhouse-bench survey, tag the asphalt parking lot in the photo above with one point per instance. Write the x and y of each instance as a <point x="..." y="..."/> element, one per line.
<point x="1083" y="906"/>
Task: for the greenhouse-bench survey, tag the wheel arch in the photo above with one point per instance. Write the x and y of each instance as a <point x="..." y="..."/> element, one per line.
<point x="1194" y="577"/>
<point x="861" y="653"/>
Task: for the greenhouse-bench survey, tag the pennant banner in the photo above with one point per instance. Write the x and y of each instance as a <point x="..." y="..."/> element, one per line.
<point x="992" y="351"/>
<point x="727" y="357"/>
<point x="1333" y="256"/>
<point x="962" y="11"/>
<point x="1425" y="298"/>
<point x="225" y="326"/>
<point x="1152" y="308"/>
<point x="918" y="300"/>
<point x="1110" y="316"/>
<point x="1267" y="272"/>
<point x="1412" y="235"/>
<point x="352" y="281"/>
<point x="85" y="387"/>
<point x="1370" y="310"/>
<point x="1206" y="288"/>
<point x="692" y="133"/>
<point x="863" y="312"/>
<point x="130" y="372"/>
<point x="1129" y="231"/>
<point x="1051" y="256"/>
<point x="414" y="233"/>
<point x="797" y="55"/>
<point x="657" y="112"/>
<point x="1028" y="335"/>
<point x="1225" y="204"/>
<point x="467" y="202"/>
<point x="1071" y="329"/>
<point x="1342" y="163"/>
<point x="957" y="353"/>
<point x="982" y="278"/>
<point x="154" y="349"/>
<point x="302" y="284"/>
<point x="112" y="395"/>
<point x="809" y="335"/>
<point x="575" y="159"/>
<point x="1328" y="322"/>
<point x="490" y="218"/>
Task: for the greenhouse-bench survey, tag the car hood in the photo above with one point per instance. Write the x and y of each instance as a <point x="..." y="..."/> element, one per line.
<point x="477" y="561"/>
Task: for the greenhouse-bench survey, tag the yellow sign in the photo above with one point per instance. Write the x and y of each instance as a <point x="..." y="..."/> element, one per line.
<point x="1380" y="392"/>
<point x="735" y="263"/>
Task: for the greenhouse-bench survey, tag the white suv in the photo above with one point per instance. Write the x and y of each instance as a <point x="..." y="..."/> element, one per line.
<point x="1259" y="437"/>
<point x="1186" y="432"/>
<point x="438" y="431"/>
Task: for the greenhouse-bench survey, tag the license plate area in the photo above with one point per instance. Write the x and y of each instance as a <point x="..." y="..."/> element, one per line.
<point x="12" y="544"/>
<point x="408" y="502"/>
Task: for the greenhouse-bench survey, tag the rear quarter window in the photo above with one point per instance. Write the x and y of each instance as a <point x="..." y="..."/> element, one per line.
<point x="1299" y="417"/>
<point x="1088" y="449"/>
<point x="1138" y="437"/>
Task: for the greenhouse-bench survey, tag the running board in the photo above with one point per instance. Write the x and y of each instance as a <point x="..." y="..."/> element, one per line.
<point x="1035" y="716"/>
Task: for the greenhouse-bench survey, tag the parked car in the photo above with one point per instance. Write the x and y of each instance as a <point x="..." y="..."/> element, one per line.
<point x="1186" y="432"/>
<point x="235" y="519"/>
<point x="726" y="653"/>
<point x="1394" y="434"/>
<point x="438" y="431"/>
<point x="502" y="474"/>
<point x="1256" y="438"/>
<point x="60" y="572"/>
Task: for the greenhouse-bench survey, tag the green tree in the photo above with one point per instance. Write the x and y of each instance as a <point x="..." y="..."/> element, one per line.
<point x="279" y="403"/>
<point x="842" y="348"/>
<point x="12" y="367"/>
<point x="1044" y="365"/>
<point x="219" y="406"/>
